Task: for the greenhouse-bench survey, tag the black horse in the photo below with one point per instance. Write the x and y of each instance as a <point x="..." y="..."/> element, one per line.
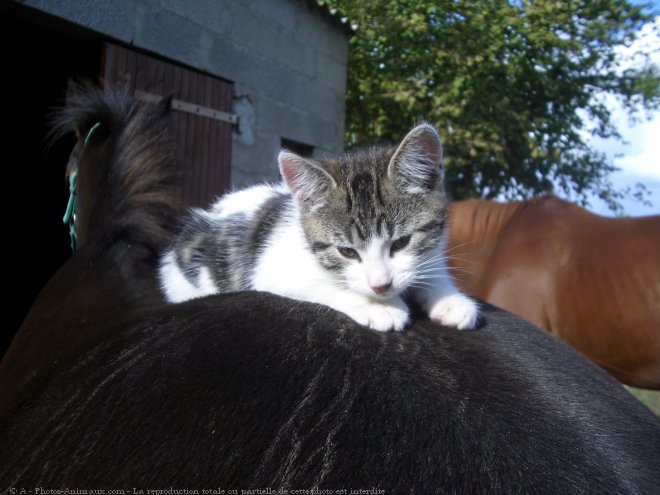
<point x="107" y="387"/>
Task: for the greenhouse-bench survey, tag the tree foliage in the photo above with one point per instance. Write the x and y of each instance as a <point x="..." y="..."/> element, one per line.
<point x="510" y="85"/>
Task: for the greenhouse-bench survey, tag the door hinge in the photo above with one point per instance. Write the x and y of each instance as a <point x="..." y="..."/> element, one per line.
<point x="193" y="108"/>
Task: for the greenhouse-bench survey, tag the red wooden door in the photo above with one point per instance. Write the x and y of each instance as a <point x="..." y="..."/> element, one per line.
<point x="201" y="112"/>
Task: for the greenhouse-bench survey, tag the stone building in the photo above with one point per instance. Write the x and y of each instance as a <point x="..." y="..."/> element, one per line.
<point x="257" y="75"/>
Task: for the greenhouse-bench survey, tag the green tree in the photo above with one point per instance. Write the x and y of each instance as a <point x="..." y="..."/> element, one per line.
<point x="509" y="84"/>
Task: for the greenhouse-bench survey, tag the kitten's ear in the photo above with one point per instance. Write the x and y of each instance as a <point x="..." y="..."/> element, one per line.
<point x="417" y="162"/>
<point x="307" y="180"/>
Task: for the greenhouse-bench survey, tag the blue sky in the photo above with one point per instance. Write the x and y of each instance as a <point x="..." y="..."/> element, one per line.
<point x="638" y="156"/>
<point x="655" y="4"/>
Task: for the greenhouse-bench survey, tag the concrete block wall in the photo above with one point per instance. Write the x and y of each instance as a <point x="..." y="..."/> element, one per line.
<point x="287" y="61"/>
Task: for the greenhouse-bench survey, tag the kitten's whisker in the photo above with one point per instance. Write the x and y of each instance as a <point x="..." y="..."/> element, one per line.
<point x="455" y="258"/>
<point x="436" y="259"/>
<point x="432" y="270"/>
<point x="459" y="246"/>
<point x="441" y="266"/>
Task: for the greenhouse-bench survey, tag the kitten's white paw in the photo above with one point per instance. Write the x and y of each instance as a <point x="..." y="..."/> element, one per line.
<point x="456" y="310"/>
<point x="381" y="317"/>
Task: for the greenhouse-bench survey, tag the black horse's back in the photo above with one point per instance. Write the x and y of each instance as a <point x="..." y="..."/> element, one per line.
<point x="253" y="391"/>
<point x="106" y="387"/>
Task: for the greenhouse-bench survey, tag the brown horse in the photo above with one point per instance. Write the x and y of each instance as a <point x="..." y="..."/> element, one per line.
<point x="592" y="281"/>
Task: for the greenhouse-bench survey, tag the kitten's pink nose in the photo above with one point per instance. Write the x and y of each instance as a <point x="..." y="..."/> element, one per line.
<point x="379" y="289"/>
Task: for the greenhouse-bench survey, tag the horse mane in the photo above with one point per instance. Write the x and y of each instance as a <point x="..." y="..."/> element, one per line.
<point x="143" y="174"/>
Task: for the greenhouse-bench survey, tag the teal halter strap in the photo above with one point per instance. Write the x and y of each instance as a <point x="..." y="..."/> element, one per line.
<point x="70" y="213"/>
<point x="91" y="131"/>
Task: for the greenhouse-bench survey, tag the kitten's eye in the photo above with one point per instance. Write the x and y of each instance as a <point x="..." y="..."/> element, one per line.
<point x="349" y="253"/>
<point x="399" y="244"/>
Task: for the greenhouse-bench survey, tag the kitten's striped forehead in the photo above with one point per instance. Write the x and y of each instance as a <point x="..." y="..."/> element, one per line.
<point x="362" y="177"/>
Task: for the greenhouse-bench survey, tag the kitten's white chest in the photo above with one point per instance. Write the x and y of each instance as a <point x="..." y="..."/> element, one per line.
<point x="287" y="267"/>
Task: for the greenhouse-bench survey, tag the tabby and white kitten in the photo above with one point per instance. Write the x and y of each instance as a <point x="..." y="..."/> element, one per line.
<point x="354" y="233"/>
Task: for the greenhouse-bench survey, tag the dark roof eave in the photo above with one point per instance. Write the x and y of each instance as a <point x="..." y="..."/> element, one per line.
<point x="333" y="16"/>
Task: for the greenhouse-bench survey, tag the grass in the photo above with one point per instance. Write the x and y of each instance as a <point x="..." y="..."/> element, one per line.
<point x="650" y="398"/>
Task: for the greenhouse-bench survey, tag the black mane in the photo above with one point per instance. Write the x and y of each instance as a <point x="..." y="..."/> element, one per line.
<point x="143" y="173"/>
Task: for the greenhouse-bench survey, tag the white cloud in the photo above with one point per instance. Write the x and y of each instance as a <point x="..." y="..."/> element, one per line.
<point x="638" y="155"/>
<point x="644" y="157"/>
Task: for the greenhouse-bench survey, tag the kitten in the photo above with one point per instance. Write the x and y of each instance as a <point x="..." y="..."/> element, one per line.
<point x="354" y="233"/>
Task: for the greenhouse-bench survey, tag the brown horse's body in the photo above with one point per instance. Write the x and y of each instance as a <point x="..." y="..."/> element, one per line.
<point x="592" y="281"/>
